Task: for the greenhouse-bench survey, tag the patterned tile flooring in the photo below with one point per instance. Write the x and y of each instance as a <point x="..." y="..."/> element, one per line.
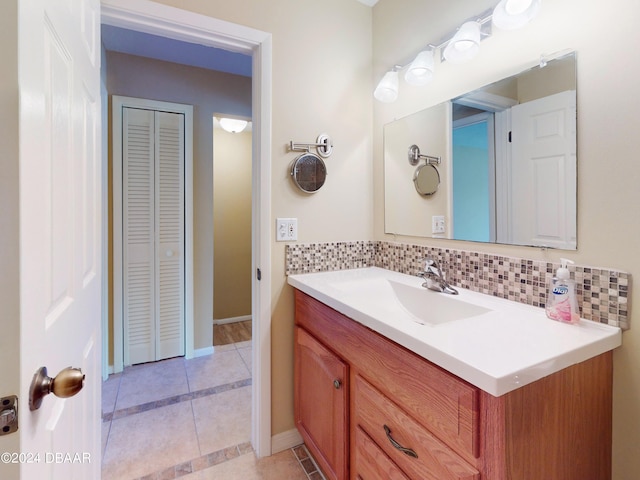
<point x="188" y="419"/>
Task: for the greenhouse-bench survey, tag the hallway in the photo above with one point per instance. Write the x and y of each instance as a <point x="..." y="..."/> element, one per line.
<point x="188" y="419"/>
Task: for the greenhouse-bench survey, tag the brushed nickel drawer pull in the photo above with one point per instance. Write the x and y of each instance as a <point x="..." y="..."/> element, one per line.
<point x="406" y="451"/>
<point x="337" y="384"/>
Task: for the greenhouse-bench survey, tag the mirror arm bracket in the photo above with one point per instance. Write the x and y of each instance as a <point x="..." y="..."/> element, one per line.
<point x="323" y="145"/>
<point x="414" y="157"/>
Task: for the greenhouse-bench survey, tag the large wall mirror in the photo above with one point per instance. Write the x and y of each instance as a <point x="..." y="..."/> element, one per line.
<point x="508" y="170"/>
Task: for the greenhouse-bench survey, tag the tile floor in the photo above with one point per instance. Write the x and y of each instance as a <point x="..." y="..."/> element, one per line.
<point x="189" y="419"/>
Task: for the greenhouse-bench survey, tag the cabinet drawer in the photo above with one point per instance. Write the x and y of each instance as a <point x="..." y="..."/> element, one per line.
<point x="435" y="461"/>
<point x="371" y="463"/>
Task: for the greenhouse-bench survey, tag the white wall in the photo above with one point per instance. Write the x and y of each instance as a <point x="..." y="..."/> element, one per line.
<point x="608" y="167"/>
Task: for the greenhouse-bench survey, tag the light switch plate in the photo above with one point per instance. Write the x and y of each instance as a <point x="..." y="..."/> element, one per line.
<point x="286" y="229"/>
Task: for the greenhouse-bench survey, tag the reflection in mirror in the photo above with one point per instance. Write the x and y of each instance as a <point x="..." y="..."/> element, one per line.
<point x="309" y="172"/>
<point x="509" y="162"/>
<point x="426" y="179"/>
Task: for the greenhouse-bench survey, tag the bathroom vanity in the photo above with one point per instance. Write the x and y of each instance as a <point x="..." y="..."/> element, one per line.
<point x="495" y="391"/>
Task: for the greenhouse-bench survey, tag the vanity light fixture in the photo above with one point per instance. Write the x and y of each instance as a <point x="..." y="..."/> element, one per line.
<point x="420" y="72"/>
<point x="459" y="47"/>
<point x="464" y="45"/>
<point x="387" y="89"/>
<point x="233" y="125"/>
<point x="513" y="14"/>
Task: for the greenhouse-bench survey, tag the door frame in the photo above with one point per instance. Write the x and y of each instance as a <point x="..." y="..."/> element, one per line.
<point x="118" y="102"/>
<point x="162" y="20"/>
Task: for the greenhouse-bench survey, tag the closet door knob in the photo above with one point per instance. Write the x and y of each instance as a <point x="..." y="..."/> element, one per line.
<point x="169" y="253"/>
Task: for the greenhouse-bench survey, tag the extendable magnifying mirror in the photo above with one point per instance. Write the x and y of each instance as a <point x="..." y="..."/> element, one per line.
<point x="426" y="178"/>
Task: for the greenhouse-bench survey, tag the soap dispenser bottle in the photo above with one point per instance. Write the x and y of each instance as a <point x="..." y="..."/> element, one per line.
<point x="562" y="304"/>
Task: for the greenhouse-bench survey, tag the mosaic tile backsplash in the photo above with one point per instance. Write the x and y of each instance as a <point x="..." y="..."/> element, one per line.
<point x="603" y="294"/>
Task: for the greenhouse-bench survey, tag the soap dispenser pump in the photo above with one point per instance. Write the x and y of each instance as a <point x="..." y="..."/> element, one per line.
<point x="562" y="304"/>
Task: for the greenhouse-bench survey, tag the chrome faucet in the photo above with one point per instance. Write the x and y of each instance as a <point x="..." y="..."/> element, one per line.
<point x="434" y="278"/>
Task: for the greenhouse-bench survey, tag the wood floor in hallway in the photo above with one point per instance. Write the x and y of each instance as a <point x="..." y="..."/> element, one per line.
<point x="232" y="332"/>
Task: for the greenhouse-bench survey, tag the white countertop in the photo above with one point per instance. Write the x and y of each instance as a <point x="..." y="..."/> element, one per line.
<point x="498" y="350"/>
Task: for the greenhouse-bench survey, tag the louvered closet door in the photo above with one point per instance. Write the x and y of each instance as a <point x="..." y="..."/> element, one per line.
<point x="170" y="234"/>
<point x="153" y="231"/>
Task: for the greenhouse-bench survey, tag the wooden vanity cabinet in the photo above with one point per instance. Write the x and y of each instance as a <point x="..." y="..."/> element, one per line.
<point x="405" y="418"/>
<point x="321" y="404"/>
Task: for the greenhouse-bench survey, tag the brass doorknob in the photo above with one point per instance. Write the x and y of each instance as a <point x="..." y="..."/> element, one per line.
<point x="66" y="384"/>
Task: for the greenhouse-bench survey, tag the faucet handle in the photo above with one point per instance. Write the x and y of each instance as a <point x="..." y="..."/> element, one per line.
<point x="431" y="263"/>
<point x="426" y="261"/>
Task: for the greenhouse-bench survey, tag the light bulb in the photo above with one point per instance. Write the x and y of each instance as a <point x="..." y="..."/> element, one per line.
<point x="513" y="14"/>
<point x="516" y="7"/>
<point x="465" y="43"/>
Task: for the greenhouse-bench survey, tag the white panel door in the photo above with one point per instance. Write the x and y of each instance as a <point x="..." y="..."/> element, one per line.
<point x="544" y="172"/>
<point x="60" y="221"/>
<point x="153" y="234"/>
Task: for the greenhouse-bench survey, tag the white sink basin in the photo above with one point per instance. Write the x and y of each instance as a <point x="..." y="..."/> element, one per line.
<point x="408" y="299"/>
<point x="432" y="307"/>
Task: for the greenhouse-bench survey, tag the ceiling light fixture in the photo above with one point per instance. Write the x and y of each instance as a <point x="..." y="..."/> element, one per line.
<point x="459" y="46"/>
<point x="233" y="125"/>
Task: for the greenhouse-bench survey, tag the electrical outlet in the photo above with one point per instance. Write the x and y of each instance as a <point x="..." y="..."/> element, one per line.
<point x="286" y="229"/>
<point x="437" y="224"/>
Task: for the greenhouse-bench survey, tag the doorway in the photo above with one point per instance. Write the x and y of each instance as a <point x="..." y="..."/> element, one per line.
<point x="473" y="178"/>
<point x="179" y="24"/>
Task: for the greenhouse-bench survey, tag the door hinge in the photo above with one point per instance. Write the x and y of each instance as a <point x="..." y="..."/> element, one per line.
<point x="8" y="415"/>
<point x="258" y="274"/>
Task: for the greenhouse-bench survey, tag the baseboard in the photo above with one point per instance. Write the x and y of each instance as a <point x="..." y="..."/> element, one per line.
<point x="285" y="440"/>
<point x="222" y="321"/>
<point x="201" y="352"/>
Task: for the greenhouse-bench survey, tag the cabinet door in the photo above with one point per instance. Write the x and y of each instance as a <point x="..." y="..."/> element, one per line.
<point x="321" y="403"/>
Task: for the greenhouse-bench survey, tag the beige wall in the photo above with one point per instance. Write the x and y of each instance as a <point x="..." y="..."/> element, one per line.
<point x="9" y="248"/>
<point x="608" y="169"/>
<point x="408" y="212"/>
<point x="231" y="224"/>
<point x="208" y="92"/>
<point x="321" y="83"/>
